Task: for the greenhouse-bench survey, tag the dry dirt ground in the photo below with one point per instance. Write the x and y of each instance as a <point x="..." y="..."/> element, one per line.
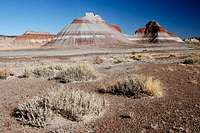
<point x="178" y="110"/>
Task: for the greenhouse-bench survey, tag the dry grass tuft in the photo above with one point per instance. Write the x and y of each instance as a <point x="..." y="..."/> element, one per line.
<point x="4" y="73"/>
<point x="133" y="86"/>
<point x="152" y="86"/>
<point x="70" y="104"/>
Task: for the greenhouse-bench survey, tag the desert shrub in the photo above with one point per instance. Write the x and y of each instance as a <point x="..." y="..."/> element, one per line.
<point x="133" y="85"/>
<point x="192" y="60"/>
<point x="59" y="130"/>
<point x="4" y="73"/>
<point x="141" y="57"/>
<point x="34" y="112"/>
<point x="79" y="72"/>
<point x="44" y="72"/>
<point x="57" y="67"/>
<point x="73" y="105"/>
<point x="62" y="72"/>
<point x="117" y="61"/>
<point x="133" y="52"/>
<point x="27" y="73"/>
<point x="98" y="60"/>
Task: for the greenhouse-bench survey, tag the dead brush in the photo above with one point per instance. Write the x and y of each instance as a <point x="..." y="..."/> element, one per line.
<point x="44" y="71"/>
<point x="78" y="72"/>
<point x="134" y="85"/>
<point x="4" y="73"/>
<point x="62" y="72"/>
<point x="192" y="60"/>
<point x="141" y="57"/>
<point x="74" y="105"/>
<point x="34" y="112"/>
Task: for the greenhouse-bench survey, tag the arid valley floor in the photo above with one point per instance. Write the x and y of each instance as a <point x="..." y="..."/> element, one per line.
<point x="177" y="110"/>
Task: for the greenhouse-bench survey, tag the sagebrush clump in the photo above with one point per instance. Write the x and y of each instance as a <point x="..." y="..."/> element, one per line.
<point x="73" y="105"/>
<point x="134" y="85"/>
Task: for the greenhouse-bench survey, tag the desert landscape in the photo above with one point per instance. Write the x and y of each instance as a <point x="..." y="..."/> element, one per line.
<point x="91" y="77"/>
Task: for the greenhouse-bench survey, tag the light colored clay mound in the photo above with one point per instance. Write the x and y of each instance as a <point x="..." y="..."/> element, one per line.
<point x="90" y="30"/>
<point x="153" y="32"/>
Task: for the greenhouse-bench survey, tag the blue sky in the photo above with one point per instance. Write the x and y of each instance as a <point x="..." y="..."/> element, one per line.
<point x="178" y="16"/>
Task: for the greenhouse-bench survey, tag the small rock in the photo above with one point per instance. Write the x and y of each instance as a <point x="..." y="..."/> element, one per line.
<point x="187" y="130"/>
<point x="181" y="129"/>
<point x="108" y="67"/>
<point x="163" y="122"/>
<point x="170" y="131"/>
<point x="154" y="126"/>
<point x="125" y="116"/>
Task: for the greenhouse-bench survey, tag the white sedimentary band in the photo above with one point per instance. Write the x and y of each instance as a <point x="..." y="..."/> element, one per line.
<point x="37" y="33"/>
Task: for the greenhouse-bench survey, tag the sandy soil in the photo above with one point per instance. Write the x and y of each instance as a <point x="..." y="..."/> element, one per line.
<point x="177" y="111"/>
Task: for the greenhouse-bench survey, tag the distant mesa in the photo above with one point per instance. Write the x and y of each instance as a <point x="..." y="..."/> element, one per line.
<point x="89" y="30"/>
<point x="28" y="40"/>
<point x="34" y="37"/>
<point x="154" y="33"/>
